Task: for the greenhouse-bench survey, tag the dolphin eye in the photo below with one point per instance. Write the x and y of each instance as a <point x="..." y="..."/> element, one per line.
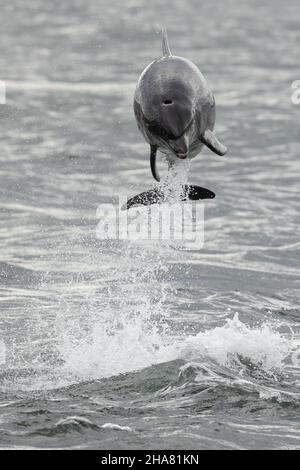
<point x="168" y="102"/>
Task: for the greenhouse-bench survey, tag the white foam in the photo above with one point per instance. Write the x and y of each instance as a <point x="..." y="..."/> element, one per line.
<point x="74" y="420"/>
<point x="263" y="344"/>
<point x="134" y="346"/>
<point x="138" y="344"/>
<point x="116" y="427"/>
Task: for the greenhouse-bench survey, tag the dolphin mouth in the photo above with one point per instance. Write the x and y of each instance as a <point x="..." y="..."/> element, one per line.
<point x="182" y="156"/>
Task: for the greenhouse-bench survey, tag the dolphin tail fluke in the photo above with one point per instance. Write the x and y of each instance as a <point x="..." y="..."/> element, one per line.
<point x="211" y="141"/>
<point x="147" y="198"/>
<point x="192" y="192"/>
<point x="156" y="196"/>
<point x="165" y="44"/>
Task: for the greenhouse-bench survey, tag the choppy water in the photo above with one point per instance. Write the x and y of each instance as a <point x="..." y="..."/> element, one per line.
<point x="143" y="345"/>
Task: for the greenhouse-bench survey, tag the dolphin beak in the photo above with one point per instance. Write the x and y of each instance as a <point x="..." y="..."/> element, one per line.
<point x="180" y="146"/>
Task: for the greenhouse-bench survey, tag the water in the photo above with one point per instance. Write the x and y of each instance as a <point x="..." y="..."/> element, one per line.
<point x="119" y="344"/>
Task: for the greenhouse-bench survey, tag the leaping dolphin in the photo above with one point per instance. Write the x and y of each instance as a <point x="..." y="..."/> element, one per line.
<point x="175" y="111"/>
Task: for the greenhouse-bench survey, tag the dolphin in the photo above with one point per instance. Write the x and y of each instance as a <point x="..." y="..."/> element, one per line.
<point x="175" y="111"/>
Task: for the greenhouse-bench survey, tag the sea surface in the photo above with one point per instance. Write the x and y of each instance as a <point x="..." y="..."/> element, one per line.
<point x="123" y="344"/>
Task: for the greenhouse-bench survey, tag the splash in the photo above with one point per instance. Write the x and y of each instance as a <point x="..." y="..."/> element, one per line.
<point x="126" y="323"/>
<point x="177" y="176"/>
<point x="124" y="327"/>
<point x="108" y="351"/>
<point x="262" y="345"/>
<point x="139" y="344"/>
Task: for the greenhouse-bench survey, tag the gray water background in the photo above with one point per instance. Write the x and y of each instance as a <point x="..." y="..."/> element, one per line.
<point x="111" y="344"/>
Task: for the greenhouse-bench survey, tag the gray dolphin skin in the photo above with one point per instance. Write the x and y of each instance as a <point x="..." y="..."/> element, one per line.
<point x="175" y="109"/>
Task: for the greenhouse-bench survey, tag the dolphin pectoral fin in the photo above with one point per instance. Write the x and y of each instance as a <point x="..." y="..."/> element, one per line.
<point x="190" y="192"/>
<point x="155" y="174"/>
<point x="211" y="141"/>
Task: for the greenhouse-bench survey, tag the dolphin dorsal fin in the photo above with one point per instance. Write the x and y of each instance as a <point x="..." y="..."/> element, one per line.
<point x="165" y="44"/>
